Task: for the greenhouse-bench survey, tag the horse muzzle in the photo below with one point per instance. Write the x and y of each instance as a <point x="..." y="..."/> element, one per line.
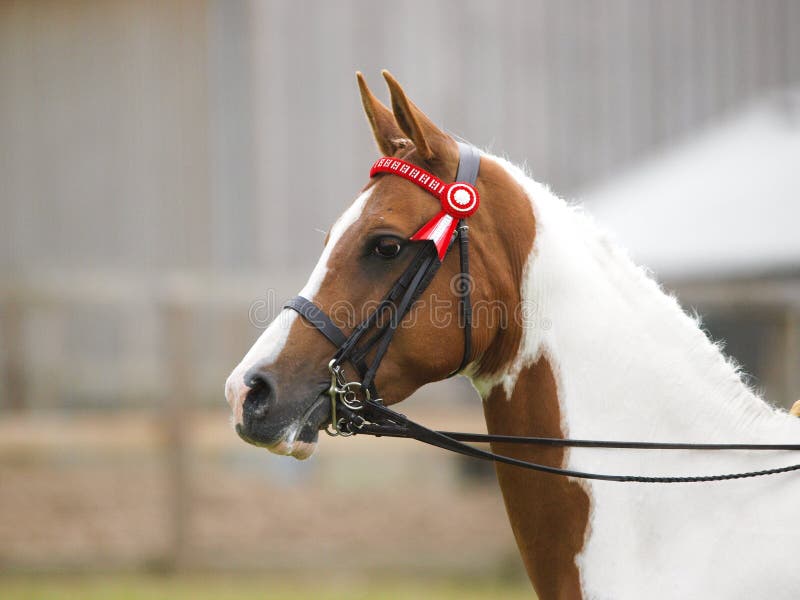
<point x="264" y="417"/>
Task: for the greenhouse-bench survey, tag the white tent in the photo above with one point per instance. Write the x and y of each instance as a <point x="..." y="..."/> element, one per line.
<point x="723" y="205"/>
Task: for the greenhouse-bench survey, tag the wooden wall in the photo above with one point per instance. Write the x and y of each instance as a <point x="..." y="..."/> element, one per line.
<point x="104" y="128"/>
<point x="576" y="89"/>
<point x="140" y="139"/>
<point x="178" y="134"/>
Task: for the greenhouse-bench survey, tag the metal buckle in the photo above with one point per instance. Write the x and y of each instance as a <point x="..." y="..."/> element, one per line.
<point x="346" y="392"/>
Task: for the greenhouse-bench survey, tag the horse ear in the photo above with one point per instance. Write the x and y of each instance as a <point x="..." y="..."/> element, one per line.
<point x="430" y="141"/>
<point x="387" y="134"/>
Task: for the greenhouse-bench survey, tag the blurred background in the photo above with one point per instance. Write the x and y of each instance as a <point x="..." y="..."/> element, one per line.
<point x="157" y="207"/>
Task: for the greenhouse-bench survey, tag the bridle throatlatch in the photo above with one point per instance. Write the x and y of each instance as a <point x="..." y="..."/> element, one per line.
<point x="356" y="406"/>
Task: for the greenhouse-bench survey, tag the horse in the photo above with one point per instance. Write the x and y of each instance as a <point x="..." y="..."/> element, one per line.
<point x="586" y="344"/>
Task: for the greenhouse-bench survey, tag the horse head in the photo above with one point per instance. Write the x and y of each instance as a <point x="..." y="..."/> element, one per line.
<point x="278" y="392"/>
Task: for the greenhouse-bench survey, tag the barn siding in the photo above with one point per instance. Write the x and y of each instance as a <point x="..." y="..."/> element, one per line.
<point x="144" y="138"/>
<point x="177" y="134"/>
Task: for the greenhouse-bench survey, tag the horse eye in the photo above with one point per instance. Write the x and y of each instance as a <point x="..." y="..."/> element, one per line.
<point x="387" y="248"/>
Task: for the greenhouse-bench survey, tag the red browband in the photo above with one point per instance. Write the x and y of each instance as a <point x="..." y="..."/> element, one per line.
<point x="459" y="200"/>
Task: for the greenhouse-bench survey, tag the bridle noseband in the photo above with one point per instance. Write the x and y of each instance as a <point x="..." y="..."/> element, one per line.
<point x="356" y="406"/>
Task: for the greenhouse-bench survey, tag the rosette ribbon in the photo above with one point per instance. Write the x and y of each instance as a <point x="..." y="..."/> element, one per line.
<point x="459" y="200"/>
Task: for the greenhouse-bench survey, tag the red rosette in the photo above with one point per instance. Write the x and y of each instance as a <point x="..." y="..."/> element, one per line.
<point x="460" y="200"/>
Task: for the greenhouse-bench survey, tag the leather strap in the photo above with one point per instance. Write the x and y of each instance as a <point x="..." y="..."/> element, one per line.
<point x="378" y="420"/>
<point x="314" y="315"/>
<point x="469" y="163"/>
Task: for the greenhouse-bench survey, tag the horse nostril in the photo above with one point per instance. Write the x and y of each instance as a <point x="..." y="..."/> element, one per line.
<point x="260" y="397"/>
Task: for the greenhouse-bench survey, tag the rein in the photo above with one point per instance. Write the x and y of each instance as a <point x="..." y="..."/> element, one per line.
<point x="356" y="407"/>
<point x="371" y="418"/>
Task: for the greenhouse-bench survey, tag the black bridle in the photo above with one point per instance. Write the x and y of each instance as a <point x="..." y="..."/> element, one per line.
<point x="356" y="407"/>
<point x="375" y="332"/>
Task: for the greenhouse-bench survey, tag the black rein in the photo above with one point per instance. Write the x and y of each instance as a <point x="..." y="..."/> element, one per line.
<point x="378" y="420"/>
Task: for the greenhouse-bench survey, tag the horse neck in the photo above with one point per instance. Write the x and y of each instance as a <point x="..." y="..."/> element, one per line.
<point x="627" y="360"/>
<point x="606" y="354"/>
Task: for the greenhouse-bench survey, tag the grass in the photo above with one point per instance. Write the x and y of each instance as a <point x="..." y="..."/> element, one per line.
<point x="244" y="586"/>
